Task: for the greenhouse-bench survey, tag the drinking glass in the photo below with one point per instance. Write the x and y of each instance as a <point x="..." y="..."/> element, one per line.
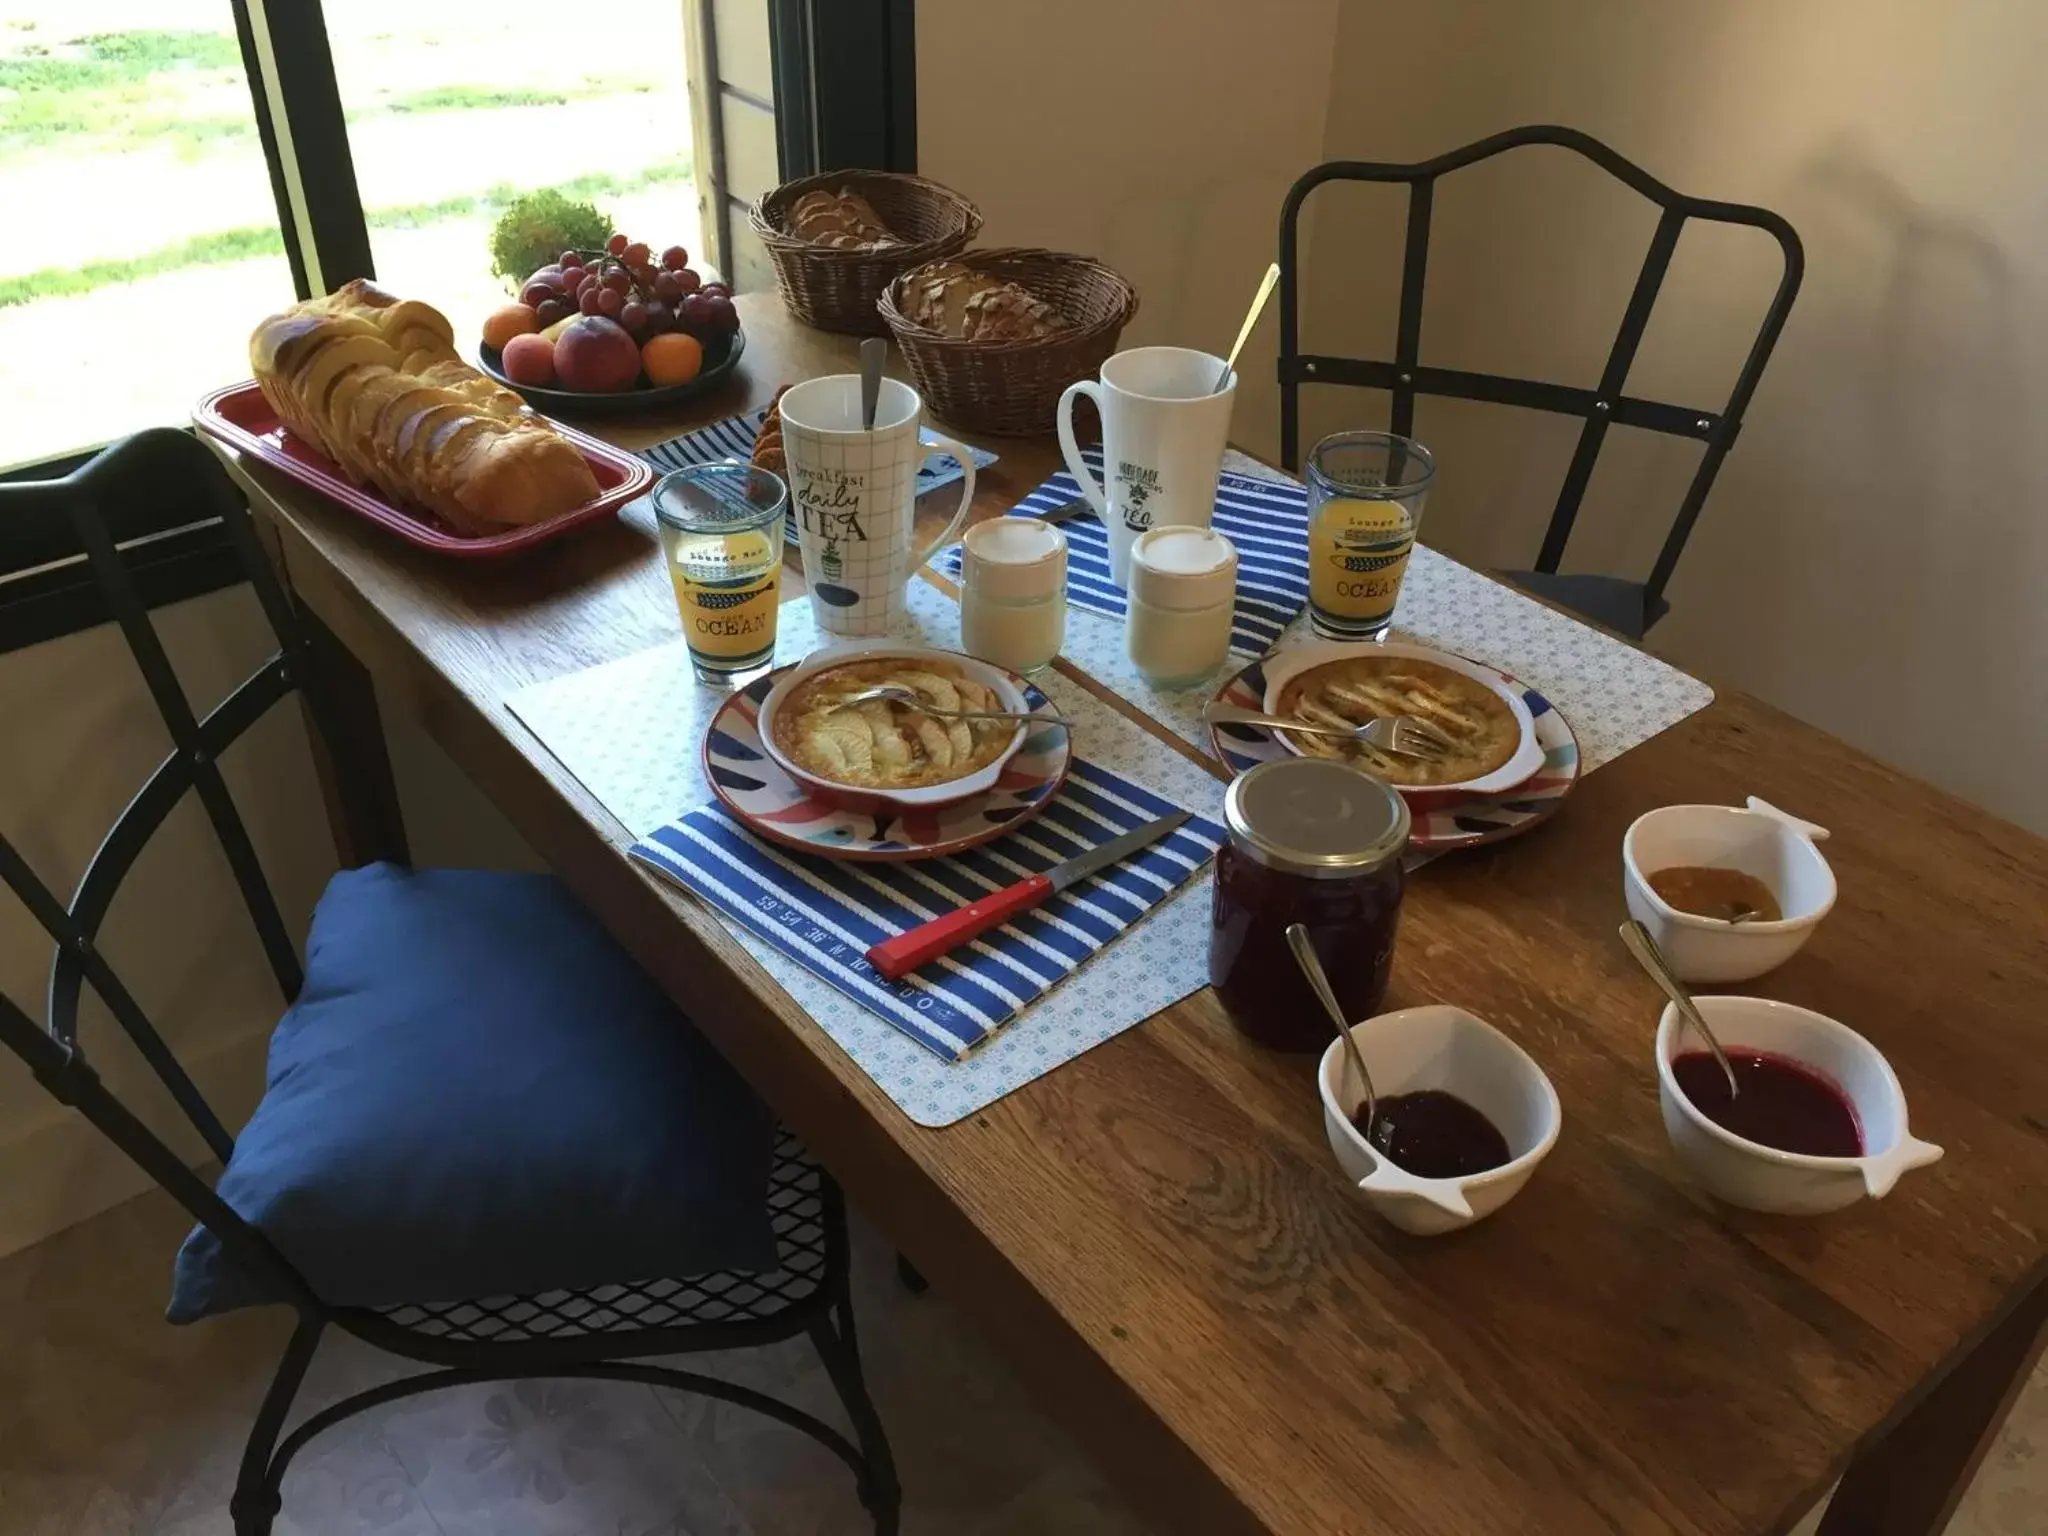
<point x="721" y="536"/>
<point x="1365" y="496"/>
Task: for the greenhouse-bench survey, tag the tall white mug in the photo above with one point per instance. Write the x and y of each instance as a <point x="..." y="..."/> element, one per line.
<point x="1164" y="424"/>
<point x="856" y="498"/>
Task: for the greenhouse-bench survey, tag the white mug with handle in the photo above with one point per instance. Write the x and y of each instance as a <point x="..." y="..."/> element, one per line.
<point x="1164" y="424"/>
<point x="855" y="494"/>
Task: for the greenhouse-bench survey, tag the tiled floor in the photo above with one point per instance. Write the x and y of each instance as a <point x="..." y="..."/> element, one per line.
<point x="113" y="1423"/>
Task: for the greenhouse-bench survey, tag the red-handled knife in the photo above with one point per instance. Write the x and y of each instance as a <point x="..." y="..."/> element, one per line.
<point x="898" y="957"/>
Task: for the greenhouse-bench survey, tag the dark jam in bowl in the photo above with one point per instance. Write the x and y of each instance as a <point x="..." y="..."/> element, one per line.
<point x="1783" y="1104"/>
<point x="1316" y="842"/>
<point x="1434" y="1135"/>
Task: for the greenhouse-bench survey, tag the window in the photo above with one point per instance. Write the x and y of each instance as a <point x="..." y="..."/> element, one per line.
<point x="173" y="170"/>
<point x="456" y="109"/>
<point x="143" y="234"/>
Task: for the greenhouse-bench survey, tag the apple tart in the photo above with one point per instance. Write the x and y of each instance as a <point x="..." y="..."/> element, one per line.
<point x="884" y="745"/>
<point x="1483" y="730"/>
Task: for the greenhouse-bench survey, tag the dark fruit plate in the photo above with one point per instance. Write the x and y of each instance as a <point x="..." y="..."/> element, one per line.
<point x="619" y="402"/>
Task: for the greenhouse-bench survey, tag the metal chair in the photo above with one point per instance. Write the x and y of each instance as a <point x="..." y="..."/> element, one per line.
<point x="604" y="1333"/>
<point x="1629" y="607"/>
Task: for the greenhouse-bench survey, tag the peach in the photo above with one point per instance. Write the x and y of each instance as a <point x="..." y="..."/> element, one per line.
<point x="529" y="359"/>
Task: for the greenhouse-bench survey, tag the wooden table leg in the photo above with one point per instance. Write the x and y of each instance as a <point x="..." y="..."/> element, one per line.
<point x="349" y="757"/>
<point x="1909" y="1481"/>
<point x="345" y="731"/>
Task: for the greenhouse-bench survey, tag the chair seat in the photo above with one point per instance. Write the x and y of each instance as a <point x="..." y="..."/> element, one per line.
<point x="796" y="1211"/>
<point x="1612" y="601"/>
<point x="479" y="1094"/>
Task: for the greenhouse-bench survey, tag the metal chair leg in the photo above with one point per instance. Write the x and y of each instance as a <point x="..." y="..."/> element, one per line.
<point x="255" y="1502"/>
<point x="880" y="1492"/>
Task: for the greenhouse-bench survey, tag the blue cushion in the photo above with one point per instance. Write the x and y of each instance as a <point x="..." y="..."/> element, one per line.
<point x="478" y="1093"/>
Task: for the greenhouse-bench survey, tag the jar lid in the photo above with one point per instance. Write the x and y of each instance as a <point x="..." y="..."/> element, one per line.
<point x="1316" y="816"/>
<point x="1179" y="567"/>
<point x="1014" y="559"/>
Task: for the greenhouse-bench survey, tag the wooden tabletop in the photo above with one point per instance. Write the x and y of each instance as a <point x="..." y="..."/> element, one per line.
<point x="1156" y="1231"/>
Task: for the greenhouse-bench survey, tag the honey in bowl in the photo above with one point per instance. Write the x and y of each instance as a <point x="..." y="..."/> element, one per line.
<point x="1433" y="1135"/>
<point x="1783" y="1103"/>
<point x="1722" y="894"/>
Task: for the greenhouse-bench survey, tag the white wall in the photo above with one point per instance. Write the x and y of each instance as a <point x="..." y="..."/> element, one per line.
<point x="1872" y="552"/>
<point x="1155" y="135"/>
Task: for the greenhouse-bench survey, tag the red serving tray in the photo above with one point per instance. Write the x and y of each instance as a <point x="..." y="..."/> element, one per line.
<point x="239" y="416"/>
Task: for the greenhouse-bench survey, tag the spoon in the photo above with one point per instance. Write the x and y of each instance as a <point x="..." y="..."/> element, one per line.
<point x="1251" y="318"/>
<point x="1651" y="959"/>
<point x="1312" y="968"/>
<point x="873" y="353"/>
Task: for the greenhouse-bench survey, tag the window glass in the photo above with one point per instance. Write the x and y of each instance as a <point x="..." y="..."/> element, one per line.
<point x="143" y="241"/>
<point x="457" y="109"/>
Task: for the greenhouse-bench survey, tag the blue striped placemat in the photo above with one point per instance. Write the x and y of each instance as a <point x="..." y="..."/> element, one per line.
<point x="826" y="913"/>
<point x="1266" y="520"/>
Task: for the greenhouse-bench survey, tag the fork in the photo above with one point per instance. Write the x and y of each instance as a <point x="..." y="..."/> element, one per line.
<point x="890" y="693"/>
<point x="1402" y="735"/>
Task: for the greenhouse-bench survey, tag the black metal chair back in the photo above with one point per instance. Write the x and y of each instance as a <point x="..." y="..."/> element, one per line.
<point x="1600" y="407"/>
<point x="96" y="499"/>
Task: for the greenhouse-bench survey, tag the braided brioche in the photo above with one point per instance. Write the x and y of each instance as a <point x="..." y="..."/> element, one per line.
<point x="374" y="383"/>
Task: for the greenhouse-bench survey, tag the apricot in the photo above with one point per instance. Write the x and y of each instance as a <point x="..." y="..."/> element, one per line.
<point x="672" y="358"/>
<point x="529" y="359"/>
<point x="507" y="321"/>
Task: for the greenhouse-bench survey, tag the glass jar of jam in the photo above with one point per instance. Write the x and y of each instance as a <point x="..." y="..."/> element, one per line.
<point x="1317" y="842"/>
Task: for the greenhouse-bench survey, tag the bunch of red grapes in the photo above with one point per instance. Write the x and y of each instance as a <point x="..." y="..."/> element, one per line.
<point x="622" y="283"/>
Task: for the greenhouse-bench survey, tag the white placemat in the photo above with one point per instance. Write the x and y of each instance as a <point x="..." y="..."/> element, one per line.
<point x="632" y="732"/>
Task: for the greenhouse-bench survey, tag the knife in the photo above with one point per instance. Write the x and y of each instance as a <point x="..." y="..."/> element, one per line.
<point x="896" y="958"/>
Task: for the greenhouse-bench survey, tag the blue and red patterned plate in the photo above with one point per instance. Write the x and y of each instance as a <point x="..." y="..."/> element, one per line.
<point x="1461" y="823"/>
<point x="769" y="803"/>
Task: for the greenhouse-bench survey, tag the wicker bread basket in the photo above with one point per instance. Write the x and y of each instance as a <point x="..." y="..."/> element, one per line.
<point x="836" y="290"/>
<point x="1013" y="388"/>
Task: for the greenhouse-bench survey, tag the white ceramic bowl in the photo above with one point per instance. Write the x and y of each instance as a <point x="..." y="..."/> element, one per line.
<point x="1762" y="841"/>
<point x="1528" y="756"/>
<point x="1446" y="1048"/>
<point x="1008" y="691"/>
<point x="1761" y="1178"/>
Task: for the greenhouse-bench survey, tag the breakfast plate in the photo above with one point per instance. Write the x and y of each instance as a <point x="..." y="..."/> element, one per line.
<point x="770" y="803"/>
<point x="1340" y="683"/>
<point x="803" y="703"/>
<point x="1456" y="820"/>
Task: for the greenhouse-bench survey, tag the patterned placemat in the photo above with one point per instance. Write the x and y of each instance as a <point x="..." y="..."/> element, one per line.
<point x="1265" y="518"/>
<point x="826" y="914"/>
<point x="631" y="731"/>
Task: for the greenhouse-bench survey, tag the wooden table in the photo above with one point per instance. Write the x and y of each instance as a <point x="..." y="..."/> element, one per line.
<point x="1156" y="1232"/>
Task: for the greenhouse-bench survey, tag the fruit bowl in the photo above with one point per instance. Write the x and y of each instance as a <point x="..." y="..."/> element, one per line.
<point x="719" y="359"/>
